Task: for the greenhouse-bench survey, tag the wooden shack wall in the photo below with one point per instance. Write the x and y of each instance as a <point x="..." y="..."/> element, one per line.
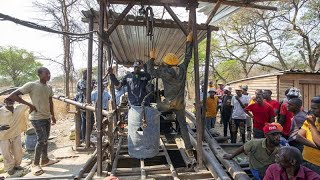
<point x="268" y="82"/>
<point x="309" y="85"/>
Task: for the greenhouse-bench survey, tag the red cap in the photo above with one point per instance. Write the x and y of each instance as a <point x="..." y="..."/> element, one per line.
<point x="272" y="128"/>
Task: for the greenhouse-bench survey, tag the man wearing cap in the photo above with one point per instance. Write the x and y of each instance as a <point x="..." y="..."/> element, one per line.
<point x="174" y="77"/>
<point x="105" y="96"/>
<point x="311" y="131"/>
<point x="211" y="109"/>
<point x="262" y="113"/>
<point x="136" y="83"/>
<point x="294" y="106"/>
<point x="226" y="109"/>
<point x="261" y="152"/>
<point x="10" y="139"/>
<point x="239" y="117"/>
<point x="289" y="166"/>
<point x="286" y="116"/>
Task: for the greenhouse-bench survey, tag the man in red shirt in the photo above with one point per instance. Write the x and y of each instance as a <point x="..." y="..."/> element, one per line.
<point x="262" y="113"/>
<point x="274" y="103"/>
<point x="288" y="166"/>
<point x="286" y="116"/>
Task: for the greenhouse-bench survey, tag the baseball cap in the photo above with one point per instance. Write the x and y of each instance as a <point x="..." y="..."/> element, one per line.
<point x="137" y="64"/>
<point x="245" y="87"/>
<point x="270" y="128"/>
<point x="212" y="90"/>
<point x="227" y="88"/>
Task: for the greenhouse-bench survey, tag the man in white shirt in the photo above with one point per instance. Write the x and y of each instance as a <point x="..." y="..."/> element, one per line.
<point x="238" y="117"/>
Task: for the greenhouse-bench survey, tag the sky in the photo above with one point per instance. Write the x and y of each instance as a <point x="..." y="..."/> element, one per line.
<point x="48" y="45"/>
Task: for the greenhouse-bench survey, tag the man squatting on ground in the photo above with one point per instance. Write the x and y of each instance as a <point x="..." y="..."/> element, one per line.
<point x="173" y="77"/>
<point x="13" y="122"/>
<point x="41" y="115"/>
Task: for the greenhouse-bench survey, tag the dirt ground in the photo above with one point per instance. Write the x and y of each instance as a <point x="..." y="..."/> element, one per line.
<point x="60" y="147"/>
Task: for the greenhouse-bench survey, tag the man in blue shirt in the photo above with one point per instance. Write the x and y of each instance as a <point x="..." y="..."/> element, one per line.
<point x="105" y="96"/>
<point x="136" y="83"/>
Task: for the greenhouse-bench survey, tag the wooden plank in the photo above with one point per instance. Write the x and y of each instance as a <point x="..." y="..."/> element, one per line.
<point x="305" y="95"/>
<point x="317" y="90"/>
<point x="312" y="93"/>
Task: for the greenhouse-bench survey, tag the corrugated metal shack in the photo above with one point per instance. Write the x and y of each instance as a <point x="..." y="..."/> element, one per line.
<point x="307" y="82"/>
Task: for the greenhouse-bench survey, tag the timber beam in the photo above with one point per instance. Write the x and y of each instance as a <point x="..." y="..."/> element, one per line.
<point x="188" y="3"/>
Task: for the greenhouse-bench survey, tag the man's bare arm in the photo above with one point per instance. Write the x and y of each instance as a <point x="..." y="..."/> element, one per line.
<point x="53" y="118"/>
<point x="16" y="97"/>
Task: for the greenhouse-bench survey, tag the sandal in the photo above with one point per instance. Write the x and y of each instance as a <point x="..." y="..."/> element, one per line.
<point x="36" y="170"/>
<point x="50" y="162"/>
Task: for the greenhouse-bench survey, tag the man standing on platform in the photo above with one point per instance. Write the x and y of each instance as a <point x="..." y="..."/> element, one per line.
<point x="174" y="77"/>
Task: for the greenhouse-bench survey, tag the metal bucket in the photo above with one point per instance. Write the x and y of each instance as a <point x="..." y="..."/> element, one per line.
<point x="143" y="142"/>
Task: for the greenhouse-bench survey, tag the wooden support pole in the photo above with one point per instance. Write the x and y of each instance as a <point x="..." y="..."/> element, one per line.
<point x="89" y="83"/>
<point x="119" y="19"/>
<point x="176" y="19"/>
<point x="213" y="12"/>
<point x="77" y="120"/>
<point x="206" y="75"/>
<point x="197" y="85"/>
<point x="102" y="5"/>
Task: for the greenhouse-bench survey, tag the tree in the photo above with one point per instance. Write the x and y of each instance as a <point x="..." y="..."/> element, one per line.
<point x="60" y="13"/>
<point x="18" y="64"/>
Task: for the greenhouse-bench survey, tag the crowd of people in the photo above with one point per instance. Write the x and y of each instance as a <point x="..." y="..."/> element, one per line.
<point x="280" y="130"/>
<point x="281" y="139"/>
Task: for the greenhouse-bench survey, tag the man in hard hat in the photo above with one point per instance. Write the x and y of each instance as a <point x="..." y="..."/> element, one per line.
<point x="174" y="77"/>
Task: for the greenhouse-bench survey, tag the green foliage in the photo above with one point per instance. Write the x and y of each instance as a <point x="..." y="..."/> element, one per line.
<point x="230" y="70"/>
<point x="18" y="64"/>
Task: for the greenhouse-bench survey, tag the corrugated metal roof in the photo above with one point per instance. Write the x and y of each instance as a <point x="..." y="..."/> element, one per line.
<point x="130" y="42"/>
<point x="223" y="12"/>
<point x="289" y="71"/>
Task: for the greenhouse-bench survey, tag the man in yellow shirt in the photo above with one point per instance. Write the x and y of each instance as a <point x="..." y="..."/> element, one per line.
<point x="10" y="139"/>
<point x="311" y="131"/>
<point x="211" y="109"/>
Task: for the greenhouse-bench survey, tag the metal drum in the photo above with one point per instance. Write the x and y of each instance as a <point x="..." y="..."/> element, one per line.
<point x="143" y="142"/>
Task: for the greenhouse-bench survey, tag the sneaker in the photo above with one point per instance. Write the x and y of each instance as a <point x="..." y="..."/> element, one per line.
<point x="11" y="171"/>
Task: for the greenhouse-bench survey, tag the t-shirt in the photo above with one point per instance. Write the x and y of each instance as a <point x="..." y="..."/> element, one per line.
<point x="39" y="94"/>
<point x="261" y="114"/>
<point x="226" y="104"/>
<point x="105" y="98"/>
<point x="16" y="121"/>
<point x="238" y="112"/>
<point x="259" y="155"/>
<point x="211" y="109"/>
<point x="289" y="115"/>
<point x="276" y="172"/>
<point x="297" y="122"/>
<point x="310" y="154"/>
<point x="274" y="104"/>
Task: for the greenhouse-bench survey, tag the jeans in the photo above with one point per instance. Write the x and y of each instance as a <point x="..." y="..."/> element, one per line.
<point x="42" y="128"/>
<point x="84" y="125"/>
<point x="249" y="127"/>
<point x="235" y="125"/>
<point x="255" y="174"/>
<point x="311" y="166"/>
<point x="225" y="118"/>
<point x="210" y="122"/>
<point x="181" y="118"/>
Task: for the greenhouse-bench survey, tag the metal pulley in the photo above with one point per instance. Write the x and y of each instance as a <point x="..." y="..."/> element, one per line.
<point x="150" y="21"/>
